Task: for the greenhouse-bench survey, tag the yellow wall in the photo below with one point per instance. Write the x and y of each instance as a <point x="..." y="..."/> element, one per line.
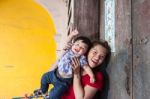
<point x="27" y="46"/>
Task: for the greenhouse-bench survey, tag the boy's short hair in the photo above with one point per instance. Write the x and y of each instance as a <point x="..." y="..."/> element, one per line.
<point x="85" y="40"/>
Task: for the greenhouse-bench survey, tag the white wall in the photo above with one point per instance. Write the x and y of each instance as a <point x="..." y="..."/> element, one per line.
<point x="58" y="10"/>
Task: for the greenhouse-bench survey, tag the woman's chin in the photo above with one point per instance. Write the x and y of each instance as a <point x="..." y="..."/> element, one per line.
<point x="92" y="65"/>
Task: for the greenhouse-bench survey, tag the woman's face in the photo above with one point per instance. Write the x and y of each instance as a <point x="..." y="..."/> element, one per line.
<point x="96" y="55"/>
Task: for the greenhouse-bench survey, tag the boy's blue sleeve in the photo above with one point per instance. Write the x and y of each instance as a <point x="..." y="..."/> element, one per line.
<point x="83" y="61"/>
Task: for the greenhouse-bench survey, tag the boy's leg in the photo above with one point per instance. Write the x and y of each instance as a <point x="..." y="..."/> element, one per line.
<point x="60" y="86"/>
<point x="57" y="91"/>
<point x="47" y="79"/>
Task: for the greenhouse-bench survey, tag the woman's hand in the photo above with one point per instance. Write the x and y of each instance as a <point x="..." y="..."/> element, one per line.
<point x="75" y="65"/>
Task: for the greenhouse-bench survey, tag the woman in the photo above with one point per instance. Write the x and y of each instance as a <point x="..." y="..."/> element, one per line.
<point x="98" y="58"/>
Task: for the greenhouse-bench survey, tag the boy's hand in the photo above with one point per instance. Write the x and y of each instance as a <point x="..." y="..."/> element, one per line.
<point x="92" y="80"/>
<point x="74" y="33"/>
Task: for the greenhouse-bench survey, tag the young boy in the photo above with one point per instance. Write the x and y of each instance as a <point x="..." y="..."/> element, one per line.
<point x="61" y="77"/>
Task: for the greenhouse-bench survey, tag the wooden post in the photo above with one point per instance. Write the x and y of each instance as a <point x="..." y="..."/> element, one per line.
<point x="120" y="68"/>
<point x="85" y="17"/>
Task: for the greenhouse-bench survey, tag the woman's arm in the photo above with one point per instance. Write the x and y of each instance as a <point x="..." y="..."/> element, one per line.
<point x="90" y="73"/>
<point x="87" y="92"/>
<point x="81" y="93"/>
<point x="77" y="87"/>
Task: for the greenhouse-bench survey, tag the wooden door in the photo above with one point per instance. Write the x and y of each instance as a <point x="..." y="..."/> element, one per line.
<point x="129" y="69"/>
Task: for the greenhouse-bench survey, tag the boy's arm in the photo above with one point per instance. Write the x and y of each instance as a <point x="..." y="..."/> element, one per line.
<point x="68" y="43"/>
<point x="67" y="46"/>
<point x="54" y="66"/>
<point x="72" y="34"/>
<point x="90" y="73"/>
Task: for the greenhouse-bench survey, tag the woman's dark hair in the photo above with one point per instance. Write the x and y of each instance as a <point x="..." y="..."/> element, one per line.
<point x="104" y="64"/>
<point x="102" y="67"/>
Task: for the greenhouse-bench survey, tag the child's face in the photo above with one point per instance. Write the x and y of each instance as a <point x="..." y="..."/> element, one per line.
<point x="79" y="47"/>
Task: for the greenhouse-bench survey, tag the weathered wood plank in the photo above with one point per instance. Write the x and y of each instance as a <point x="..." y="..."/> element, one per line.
<point x="141" y="49"/>
<point x="86" y="17"/>
<point x="120" y="68"/>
